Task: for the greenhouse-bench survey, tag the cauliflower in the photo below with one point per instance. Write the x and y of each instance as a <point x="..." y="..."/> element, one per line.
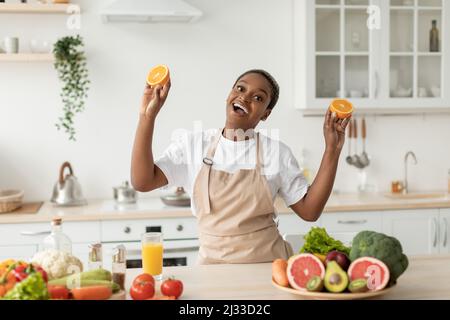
<point x="57" y="264"/>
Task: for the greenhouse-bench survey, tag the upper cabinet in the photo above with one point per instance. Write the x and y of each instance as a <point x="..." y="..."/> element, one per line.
<point x="386" y="56"/>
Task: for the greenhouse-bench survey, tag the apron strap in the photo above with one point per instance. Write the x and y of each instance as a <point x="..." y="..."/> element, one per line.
<point x="207" y="164"/>
<point x="258" y="154"/>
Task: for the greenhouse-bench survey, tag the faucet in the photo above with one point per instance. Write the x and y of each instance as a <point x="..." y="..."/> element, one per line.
<point x="409" y="153"/>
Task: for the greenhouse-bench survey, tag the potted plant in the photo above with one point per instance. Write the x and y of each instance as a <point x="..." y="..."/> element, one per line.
<point x="70" y="64"/>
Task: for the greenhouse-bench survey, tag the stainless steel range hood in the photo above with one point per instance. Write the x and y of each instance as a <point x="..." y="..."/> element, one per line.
<point x="147" y="11"/>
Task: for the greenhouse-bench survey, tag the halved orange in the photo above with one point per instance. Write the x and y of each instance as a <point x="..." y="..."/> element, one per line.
<point x="159" y="75"/>
<point x="343" y="108"/>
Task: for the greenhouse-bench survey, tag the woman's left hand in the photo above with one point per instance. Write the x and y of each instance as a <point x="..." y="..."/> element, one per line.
<point x="334" y="131"/>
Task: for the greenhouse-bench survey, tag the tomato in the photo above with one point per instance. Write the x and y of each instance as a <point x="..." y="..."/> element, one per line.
<point x="58" y="292"/>
<point x="172" y="287"/>
<point x="144" y="277"/>
<point x="143" y="287"/>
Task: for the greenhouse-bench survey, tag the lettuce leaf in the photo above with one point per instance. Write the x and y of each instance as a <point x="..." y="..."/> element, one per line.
<point x="32" y="287"/>
<point x="317" y="240"/>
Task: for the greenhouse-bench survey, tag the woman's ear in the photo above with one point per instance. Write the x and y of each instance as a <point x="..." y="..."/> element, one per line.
<point x="266" y="114"/>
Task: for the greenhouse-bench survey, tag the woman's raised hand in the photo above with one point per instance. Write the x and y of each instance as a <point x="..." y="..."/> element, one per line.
<point x="153" y="99"/>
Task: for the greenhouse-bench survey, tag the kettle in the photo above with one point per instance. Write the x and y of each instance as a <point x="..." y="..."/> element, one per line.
<point x="125" y="193"/>
<point x="67" y="190"/>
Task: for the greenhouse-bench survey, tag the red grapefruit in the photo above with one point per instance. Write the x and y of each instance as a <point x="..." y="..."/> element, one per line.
<point x="301" y="268"/>
<point x="374" y="270"/>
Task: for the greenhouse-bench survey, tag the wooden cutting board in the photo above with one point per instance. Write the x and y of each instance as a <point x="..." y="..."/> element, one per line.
<point x="28" y="208"/>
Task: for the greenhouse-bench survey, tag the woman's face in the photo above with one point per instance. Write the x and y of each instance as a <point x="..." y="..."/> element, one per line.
<point x="248" y="101"/>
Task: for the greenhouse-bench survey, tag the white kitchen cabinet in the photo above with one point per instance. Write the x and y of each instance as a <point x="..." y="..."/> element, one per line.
<point x="444" y="234"/>
<point x="17" y="252"/>
<point x="417" y="230"/>
<point x="385" y="68"/>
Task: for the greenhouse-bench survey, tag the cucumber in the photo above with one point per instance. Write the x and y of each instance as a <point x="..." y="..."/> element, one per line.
<point x="98" y="274"/>
<point x="87" y="283"/>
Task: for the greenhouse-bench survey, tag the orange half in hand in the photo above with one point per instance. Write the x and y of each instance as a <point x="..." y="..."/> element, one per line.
<point x="343" y="108"/>
<point x="159" y="75"/>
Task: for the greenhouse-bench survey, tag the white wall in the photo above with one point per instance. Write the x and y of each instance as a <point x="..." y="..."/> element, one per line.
<point x="205" y="58"/>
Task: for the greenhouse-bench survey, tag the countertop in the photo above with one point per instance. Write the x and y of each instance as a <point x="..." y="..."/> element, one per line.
<point x="152" y="208"/>
<point x="426" y="278"/>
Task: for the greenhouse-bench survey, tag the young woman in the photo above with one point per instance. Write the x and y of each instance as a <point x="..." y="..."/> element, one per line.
<point x="234" y="174"/>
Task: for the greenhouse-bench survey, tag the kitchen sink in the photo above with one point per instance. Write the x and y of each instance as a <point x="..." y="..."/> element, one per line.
<point x="414" y="195"/>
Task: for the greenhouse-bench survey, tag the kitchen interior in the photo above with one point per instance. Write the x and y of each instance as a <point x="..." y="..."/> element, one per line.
<point x="390" y="58"/>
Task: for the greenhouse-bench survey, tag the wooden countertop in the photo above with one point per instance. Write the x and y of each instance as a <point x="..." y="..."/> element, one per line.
<point x="426" y="278"/>
<point x="153" y="208"/>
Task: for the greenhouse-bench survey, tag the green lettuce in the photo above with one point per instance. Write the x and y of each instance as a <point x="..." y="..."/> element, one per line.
<point x="317" y="240"/>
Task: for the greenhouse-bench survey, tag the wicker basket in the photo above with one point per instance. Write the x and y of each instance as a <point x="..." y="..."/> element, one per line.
<point x="10" y="200"/>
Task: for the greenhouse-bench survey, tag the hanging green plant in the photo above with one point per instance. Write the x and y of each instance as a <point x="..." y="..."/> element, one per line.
<point x="70" y="64"/>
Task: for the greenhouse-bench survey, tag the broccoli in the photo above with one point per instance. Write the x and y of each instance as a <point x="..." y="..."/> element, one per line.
<point x="382" y="247"/>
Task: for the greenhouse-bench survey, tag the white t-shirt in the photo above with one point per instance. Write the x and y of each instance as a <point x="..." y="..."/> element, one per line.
<point x="182" y="161"/>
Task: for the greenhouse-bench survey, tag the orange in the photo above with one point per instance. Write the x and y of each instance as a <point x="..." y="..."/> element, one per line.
<point x="342" y="107"/>
<point x="159" y="75"/>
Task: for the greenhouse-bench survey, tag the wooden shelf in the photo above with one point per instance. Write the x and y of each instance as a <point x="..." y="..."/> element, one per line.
<point x="27" y="57"/>
<point x="52" y="8"/>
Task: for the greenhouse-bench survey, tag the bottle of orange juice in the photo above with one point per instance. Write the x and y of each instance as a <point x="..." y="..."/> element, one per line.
<point x="343" y="108"/>
<point x="158" y="75"/>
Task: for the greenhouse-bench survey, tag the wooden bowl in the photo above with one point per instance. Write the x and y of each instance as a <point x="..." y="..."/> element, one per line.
<point x="10" y="200"/>
<point x="333" y="296"/>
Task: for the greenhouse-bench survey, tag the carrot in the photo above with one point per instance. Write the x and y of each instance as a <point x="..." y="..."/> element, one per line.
<point x="279" y="272"/>
<point x="92" y="293"/>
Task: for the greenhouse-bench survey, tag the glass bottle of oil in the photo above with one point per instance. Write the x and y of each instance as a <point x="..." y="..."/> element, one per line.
<point x="434" y="37"/>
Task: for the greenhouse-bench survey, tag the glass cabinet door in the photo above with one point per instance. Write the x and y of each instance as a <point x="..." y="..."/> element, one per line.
<point x="415" y="49"/>
<point x="342" y="49"/>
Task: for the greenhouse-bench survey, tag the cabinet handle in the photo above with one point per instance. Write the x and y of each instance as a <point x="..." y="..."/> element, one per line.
<point x="377" y="84"/>
<point x="352" y="221"/>
<point x="444" y="243"/>
<point x="127" y="230"/>
<point x="180" y="227"/>
<point x="34" y="233"/>
<point x="435" y="232"/>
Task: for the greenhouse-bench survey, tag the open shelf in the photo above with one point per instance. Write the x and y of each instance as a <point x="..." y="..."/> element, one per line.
<point x="53" y="8"/>
<point x="27" y="57"/>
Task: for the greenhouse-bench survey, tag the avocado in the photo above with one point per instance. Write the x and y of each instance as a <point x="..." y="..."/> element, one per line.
<point x="358" y="286"/>
<point x="336" y="279"/>
<point x="315" y="284"/>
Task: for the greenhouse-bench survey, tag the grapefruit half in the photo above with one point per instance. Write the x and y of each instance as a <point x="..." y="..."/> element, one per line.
<point x="375" y="271"/>
<point x="303" y="267"/>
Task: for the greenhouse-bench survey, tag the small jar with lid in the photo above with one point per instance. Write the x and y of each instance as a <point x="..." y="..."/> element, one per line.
<point x="119" y="266"/>
<point x="95" y="256"/>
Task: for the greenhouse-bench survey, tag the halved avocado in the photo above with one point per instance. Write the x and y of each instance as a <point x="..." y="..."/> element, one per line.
<point x="336" y="279"/>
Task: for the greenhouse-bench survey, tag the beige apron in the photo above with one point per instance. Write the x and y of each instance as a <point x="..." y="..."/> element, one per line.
<point x="235" y="214"/>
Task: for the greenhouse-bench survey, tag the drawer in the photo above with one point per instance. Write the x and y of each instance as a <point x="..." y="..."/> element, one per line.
<point x="34" y="233"/>
<point x="352" y="222"/>
<point x="131" y="230"/>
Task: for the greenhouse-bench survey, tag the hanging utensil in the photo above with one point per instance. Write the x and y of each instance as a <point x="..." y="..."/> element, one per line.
<point x="355" y="157"/>
<point x="67" y="190"/>
<point x="349" y="158"/>
<point x="364" y="158"/>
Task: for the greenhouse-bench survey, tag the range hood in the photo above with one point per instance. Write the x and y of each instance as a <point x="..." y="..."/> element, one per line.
<point x="150" y="11"/>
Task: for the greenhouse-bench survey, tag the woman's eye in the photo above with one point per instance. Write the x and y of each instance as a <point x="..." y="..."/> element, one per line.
<point x="239" y="88"/>
<point x="258" y="98"/>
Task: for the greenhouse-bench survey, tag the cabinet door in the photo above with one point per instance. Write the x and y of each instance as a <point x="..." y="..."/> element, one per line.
<point x="17" y="252"/>
<point x="444" y="231"/>
<point x="417" y="230"/>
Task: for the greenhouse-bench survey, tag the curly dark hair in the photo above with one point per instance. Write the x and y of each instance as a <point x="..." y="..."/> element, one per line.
<point x="275" y="88"/>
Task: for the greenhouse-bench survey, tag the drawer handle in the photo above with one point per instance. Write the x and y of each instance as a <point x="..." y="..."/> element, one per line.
<point x="34" y="233"/>
<point x="180" y="227"/>
<point x="352" y="221"/>
<point x="435" y="232"/>
<point x="127" y="230"/>
<point x="446" y="231"/>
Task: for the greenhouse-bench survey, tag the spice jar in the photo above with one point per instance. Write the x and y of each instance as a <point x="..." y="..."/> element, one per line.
<point x="119" y="266"/>
<point x="95" y="256"/>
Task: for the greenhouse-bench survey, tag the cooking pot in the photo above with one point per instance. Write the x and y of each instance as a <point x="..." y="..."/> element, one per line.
<point x="179" y="198"/>
<point x="124" y="193"/>
<point x="67" y="190"/>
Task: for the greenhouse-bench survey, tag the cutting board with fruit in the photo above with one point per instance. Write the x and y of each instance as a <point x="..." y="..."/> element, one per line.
<point x="326" y="269"/>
